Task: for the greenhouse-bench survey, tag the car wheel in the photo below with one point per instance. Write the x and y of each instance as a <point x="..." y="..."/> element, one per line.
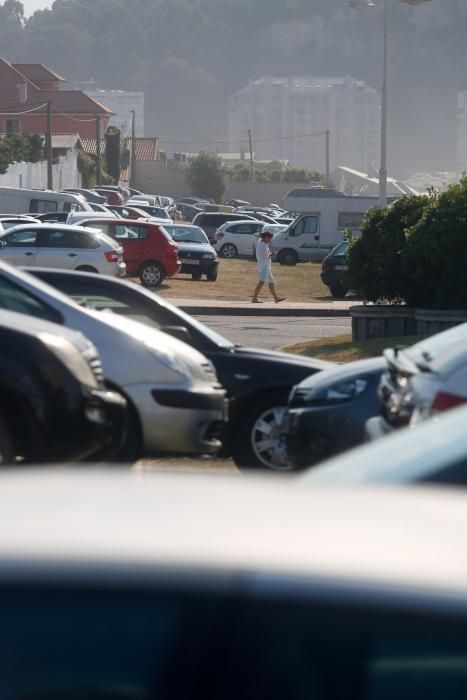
<point x="228" y="250"/>
<point x="259" y="441"/>
<point x="338" y="291"/>
<point x="287" y="257"/>
<point x="131" y="450"/>
<point x="86" y="268"/>
<point x="211" y="276"/>
<point x="151" y="273"/>
<point x="7" y="450"/>
<point x="196" y="276"/>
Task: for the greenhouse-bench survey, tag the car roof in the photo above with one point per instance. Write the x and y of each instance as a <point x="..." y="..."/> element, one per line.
<point x="379" y="539"/>
<point x="53" y="227"/>
<point x="246" y="221"/>
<point x="404" y="456"/>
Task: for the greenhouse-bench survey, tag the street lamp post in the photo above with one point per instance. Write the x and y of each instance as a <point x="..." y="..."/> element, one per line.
<point x="383" y="173"/>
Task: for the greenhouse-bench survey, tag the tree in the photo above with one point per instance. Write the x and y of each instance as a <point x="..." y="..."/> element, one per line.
<point x="205" y="175"/>
<point x="16" y="148"/>
<point x="112" y="153"/>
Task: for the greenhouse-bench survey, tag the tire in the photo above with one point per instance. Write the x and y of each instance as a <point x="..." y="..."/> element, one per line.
<point x="287" y="257"/>
<point x="7" y="450"/>
<point x="151" y="274"/>
<point x="228" y="250"/>
<point x="251" y="451"/>
<point x="196" y="276"/>
<point x="131" y="450"/>
<point x="338" y="291"/>
<point x="211" y="276"/>
<point x="86" y="268"/>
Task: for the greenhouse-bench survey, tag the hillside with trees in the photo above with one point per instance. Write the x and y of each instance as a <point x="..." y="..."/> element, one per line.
<point x="188" y="56"/>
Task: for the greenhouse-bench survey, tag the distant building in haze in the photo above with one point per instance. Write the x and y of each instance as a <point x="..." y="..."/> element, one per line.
<point x="121" y="103"/>
<point x="462" y="132"/>
<point x="284" y="114"/>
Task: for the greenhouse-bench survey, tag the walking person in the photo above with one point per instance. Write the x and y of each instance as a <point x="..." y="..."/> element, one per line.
<point x="263" y="256"/>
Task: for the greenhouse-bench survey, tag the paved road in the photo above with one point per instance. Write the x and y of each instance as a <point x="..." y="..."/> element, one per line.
<point x="273" y="333"/>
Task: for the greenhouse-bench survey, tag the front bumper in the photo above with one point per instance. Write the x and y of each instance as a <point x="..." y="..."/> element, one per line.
<point x="106" y="416"/>
<point x="201" y="266"/>
<point x="377" y="427"/>
<point x="180" y="421"/>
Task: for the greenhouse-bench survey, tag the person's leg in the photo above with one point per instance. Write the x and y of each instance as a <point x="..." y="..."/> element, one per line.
<point x="258" y="288"/>
<point x="272" y="289"/>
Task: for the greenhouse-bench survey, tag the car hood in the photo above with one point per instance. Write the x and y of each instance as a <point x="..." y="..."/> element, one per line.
<point x="340" y="373"/>
<point x="276" y="356"/>
<point x="195" y="248"/>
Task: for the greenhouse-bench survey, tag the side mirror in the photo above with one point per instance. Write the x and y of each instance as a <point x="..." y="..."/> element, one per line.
<point x="180" y="332"/>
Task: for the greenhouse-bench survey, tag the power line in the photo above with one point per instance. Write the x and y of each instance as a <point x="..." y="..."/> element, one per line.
<point x="244" y="141"/>
<point x="27" y="111"/>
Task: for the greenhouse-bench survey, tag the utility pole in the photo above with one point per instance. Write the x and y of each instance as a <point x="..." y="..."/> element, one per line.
<point x="327" y="158"/>
<point x="48" y="146"/>
<point x="132" y="177"/>
<point x="252" y="165"/>
<point x="98" y="150"/>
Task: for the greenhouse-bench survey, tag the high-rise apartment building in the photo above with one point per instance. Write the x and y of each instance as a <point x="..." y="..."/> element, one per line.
<point x="122" y="103"/>
<point x="283" y="115"/>
<point x="461" y="132"/>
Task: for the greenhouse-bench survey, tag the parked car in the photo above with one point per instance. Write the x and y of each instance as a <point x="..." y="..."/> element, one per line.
<point x="434" y="452"/>
<point x="101" y="208"/>
<point x="238" y="203"/>
<point x="7" y="222"/>
<point x="91" y="196"/>
<point x="421" y="381"/>
<point x="112" y="196"/>
<point x="175" y="402"/>
<point x="210" y="222"/>
<point x="188" y="212"/>
<point x="148" y="250"/>
<point x="237" y="237"/>
<point x="126" y="212"/>
<point x="257" y="214"/>
<point x="53" y="403"/>
<point x="60" y="245"/>
<point x="257" y="381"/>
<point x="327" y="412"/>
<point x="159" y="214"/>
<point x="334" y="270"/>
<point x="119" y="586"/>
<point x="150" y="199"/>
<point x="169" y="204"/>
<point x="124" y="191"/>
<point x="58" y="217"/>
<point x="197" y="255"/>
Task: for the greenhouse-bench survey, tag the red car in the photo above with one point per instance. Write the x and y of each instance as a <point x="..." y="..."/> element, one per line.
<point x="148" y="250"/>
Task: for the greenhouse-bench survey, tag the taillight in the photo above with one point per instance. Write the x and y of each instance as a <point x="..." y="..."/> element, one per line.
<point x="219" y="235"/>
<point x="445" y="401"/>
<point x="111" y="256"/>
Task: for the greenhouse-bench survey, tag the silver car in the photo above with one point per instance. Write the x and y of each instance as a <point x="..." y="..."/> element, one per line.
<point x="63" y="246"/>
<point x="175" y="400"/>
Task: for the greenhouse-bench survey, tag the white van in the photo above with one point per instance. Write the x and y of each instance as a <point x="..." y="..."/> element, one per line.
<point x="16" y="200"/>
<point x="324" y="214"/>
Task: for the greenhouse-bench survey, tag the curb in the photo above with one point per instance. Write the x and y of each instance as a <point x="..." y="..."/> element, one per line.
<point x="264" y="310"/>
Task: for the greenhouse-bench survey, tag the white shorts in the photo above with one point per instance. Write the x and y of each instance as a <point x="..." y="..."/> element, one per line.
<point x="265" y="273"/>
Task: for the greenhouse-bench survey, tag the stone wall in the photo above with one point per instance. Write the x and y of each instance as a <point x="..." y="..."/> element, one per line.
<point x="34" y="175"/>
<point x="385" y="321"/>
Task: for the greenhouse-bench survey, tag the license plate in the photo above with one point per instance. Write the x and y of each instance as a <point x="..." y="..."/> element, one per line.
<point x="340" y="267"/>
<point x="184" y="261"/>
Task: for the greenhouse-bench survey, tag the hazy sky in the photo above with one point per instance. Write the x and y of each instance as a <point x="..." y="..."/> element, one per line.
<point x="31" y="6"/>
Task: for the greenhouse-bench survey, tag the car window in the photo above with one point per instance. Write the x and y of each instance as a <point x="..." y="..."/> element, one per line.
<point x="14" y="298"/>
<point x="20" y="239"/>
<point x="244" y="228"/>
<point x="41" y="206"/>
<point x="125" y="232"/>
<point x="186" y="234"/>
<point x="60" y="239"/>
<point x="309" y="224"/>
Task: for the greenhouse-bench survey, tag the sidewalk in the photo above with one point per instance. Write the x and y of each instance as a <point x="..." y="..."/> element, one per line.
<point x="207" y="307"/>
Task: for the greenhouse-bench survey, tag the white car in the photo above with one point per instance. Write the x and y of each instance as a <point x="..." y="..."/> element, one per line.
<point x="175" y="401"/>
<point x="236" y="238"/>
<point x="7" y="222"/>
<point x="60" y="245"/>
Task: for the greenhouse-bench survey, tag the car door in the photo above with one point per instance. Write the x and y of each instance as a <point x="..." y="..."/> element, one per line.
<point x="19" y="247"/>
<point x="59" y="248"/>
<point x="133" y="240"/>
<point x="305" y="237"/>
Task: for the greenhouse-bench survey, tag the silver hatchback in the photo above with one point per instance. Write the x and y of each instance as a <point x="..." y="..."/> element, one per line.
<point x="63" y="246"/>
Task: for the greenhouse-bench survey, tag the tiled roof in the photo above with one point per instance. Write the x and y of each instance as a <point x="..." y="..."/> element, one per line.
<point x="146" y="148"/>
<point x="66" y="141"/>
<point x="37" y="72"/>
<point x="74" y="101"/>
<point x="90" y="146"/>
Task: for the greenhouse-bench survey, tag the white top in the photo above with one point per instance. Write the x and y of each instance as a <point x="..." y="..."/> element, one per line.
<point x="262" y="253"/>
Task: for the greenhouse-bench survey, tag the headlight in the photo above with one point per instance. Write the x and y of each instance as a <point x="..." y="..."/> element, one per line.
<point x="71" y="358"/>
<point x="208" y="256"/>
<point x="345" y="391"/>
<point x="171" y="361"/>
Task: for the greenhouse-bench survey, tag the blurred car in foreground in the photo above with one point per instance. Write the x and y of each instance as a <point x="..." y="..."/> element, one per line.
<point x="54" y="406"/>
<point x="68" y="247"/>
<point x="148" y="250"/>
<point x="130" y="586"/>
<point x="257" y="381"/>
<point x="327" y="412"/>
<point x="434" y="452"/>
<point x="196" y="254"/>
<point x="334" y="270"/>
<point x="7" y="222"/>
<point x="175" y="402"/>
<point x="422" y="380"/>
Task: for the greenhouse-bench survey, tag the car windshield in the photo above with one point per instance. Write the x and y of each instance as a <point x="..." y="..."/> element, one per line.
<point x="187" y="234"/>
<point x="340" y="249"/>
